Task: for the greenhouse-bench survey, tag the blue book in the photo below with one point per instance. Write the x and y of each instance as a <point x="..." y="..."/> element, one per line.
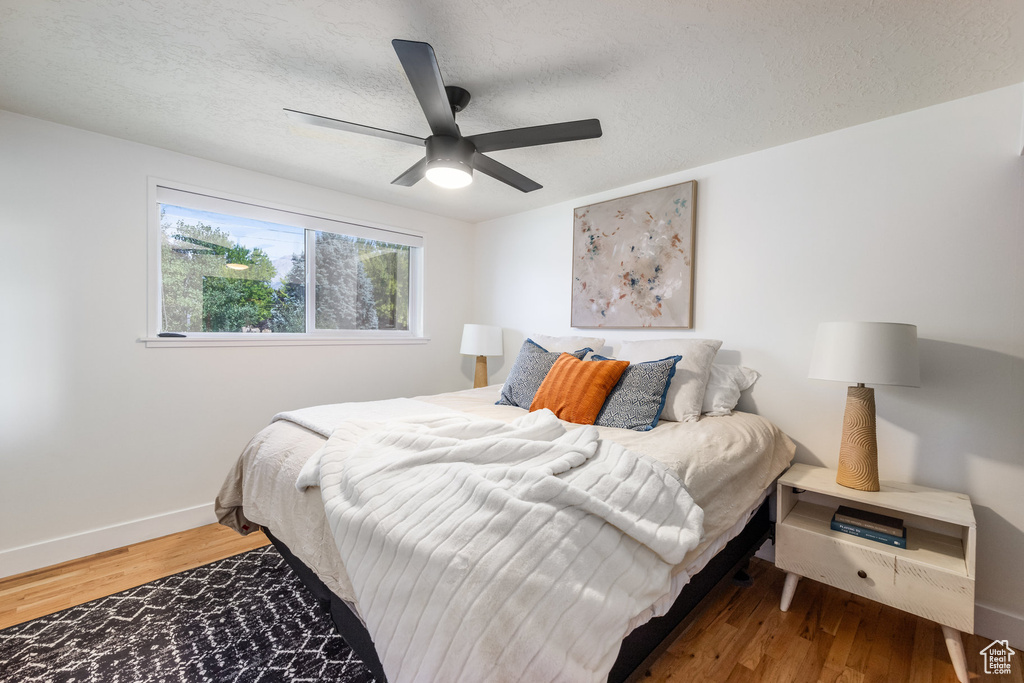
<point x="870" y="534"/>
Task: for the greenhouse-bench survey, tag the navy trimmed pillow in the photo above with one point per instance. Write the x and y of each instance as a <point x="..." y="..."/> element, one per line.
<point x="637" y="400"/>
<point x="531" y="367"/>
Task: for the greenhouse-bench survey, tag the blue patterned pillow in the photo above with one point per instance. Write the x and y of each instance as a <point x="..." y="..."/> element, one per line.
<point x="637" y="400"/>
<point x="531" y="367"/>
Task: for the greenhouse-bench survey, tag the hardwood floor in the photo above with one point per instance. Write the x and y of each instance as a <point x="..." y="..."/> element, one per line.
<point x="33" y="594"/>
<point x="740" y="636"/>
<point x="827" y="636"/>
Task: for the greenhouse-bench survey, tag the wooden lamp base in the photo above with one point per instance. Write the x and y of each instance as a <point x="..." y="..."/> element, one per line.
<point x="480" y="378"/>
<point x="858" y="453"/>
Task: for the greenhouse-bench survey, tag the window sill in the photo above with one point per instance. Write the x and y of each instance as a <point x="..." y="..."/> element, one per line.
<point x="259" y="340"/>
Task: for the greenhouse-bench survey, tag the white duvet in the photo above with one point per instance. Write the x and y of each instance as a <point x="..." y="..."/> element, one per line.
<point x="483" y="550"/>
<point x="725" y="463"/>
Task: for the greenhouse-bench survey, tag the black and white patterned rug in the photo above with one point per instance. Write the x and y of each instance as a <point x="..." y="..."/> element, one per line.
<point x="246" y="619"/>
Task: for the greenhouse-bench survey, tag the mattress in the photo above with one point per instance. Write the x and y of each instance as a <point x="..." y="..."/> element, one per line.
<point x="726" y="463"/>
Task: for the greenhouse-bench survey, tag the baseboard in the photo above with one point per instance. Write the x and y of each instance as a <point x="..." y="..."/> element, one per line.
<point x="38" y="555"/>
<point x="990" y="622"/>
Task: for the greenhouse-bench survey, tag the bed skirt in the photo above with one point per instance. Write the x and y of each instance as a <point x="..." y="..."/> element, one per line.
<point x="639" y="649"/>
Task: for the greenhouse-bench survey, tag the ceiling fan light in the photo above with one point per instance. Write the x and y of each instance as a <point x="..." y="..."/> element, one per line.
<point x="237" y="266"/>
<point x="449" y="174"/>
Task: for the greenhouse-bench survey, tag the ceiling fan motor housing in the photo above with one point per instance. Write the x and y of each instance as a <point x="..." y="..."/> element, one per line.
<point x="450" y="152"/>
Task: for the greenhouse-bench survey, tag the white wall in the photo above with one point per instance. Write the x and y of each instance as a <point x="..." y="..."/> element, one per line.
<point x="97" y="431"/>
<point x="917" y="218"/>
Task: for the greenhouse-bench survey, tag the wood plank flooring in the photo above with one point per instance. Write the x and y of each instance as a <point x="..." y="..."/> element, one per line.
<point x="740" y="636"/>
<point x="827" y="636"/>
<point x="33" y="594"/>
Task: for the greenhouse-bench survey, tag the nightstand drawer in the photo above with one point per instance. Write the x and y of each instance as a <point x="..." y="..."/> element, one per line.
<point x="847" y="565"/>
<point x="941" y="596"/>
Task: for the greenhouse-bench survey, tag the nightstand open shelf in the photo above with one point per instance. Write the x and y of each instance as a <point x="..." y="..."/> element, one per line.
<point x="933" y="577"/>
<point x="923" y="546"/>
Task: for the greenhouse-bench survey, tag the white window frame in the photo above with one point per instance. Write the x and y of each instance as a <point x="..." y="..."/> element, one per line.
<point x="162" y="191"/>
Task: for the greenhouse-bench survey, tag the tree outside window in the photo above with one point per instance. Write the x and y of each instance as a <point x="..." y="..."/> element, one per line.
<point x="225" y="274"/>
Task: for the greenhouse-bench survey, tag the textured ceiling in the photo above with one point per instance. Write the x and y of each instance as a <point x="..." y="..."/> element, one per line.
<point x="675" y="83"/>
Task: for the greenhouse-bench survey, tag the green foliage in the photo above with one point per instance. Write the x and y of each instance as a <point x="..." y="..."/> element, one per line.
<point x="188" y="253"/>
<point x="200" y="293"/>
<point x="336" y="274"/>
<point x="387" y="266"/>
<point x="360" y="284"/>
<point x="346" y="294"/>
<point x="233" y="304"/>
<point x="241" y="298"/>
<point x="289" y="313"/>
<point x="366" y="305"/>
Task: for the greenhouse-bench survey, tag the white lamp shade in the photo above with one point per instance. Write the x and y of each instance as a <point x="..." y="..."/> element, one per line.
<point x="866" y="353"/>
<point x="481" y="340"/>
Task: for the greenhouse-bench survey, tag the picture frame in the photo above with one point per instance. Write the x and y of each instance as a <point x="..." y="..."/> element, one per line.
<point x="633" y="260"/>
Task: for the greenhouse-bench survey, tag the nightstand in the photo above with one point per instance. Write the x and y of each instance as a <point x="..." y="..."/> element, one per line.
<point x="932" y="578"/>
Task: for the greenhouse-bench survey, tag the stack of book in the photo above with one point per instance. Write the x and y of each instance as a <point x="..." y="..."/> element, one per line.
<point x="870" y="525"/>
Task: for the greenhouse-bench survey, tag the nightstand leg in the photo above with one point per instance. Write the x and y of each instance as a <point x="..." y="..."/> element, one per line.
<point x="956" y="652"/>
<point x="789" y="588"/>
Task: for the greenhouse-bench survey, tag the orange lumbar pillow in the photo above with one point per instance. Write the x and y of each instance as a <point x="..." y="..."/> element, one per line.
<point x="575" y="390"/>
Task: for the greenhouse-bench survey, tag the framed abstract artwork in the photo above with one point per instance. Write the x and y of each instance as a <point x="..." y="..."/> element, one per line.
<point x="632" y="260"/>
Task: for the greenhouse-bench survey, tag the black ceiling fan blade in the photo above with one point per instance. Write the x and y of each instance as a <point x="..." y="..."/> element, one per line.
<point x="336" y="124"/>
<point x="413" y="174"/>
<point x="503" y="173"/>
<point x="537" y="135"/>
<point x="420" y="66"/>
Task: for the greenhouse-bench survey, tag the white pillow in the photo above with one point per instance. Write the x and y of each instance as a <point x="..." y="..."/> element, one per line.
<point x="686" y="393"/>
<point x="568" y="344"/>
<point x="724" y="387"/>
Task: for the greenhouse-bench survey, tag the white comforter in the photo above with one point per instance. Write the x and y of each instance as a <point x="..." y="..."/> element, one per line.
<point x="481" y="550"/>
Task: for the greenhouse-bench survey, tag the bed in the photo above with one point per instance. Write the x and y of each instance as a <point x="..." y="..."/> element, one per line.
<point x="727" y="464"/>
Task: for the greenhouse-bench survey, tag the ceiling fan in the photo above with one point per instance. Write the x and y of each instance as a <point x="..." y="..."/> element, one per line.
<point x="451" y="158"/>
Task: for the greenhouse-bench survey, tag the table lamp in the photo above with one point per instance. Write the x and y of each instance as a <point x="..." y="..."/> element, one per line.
<point x="863" y="353"/>
<point x="481" y="341"/>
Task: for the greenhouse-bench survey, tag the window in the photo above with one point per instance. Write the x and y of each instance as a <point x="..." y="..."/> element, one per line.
<point x="230" y="267"/>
